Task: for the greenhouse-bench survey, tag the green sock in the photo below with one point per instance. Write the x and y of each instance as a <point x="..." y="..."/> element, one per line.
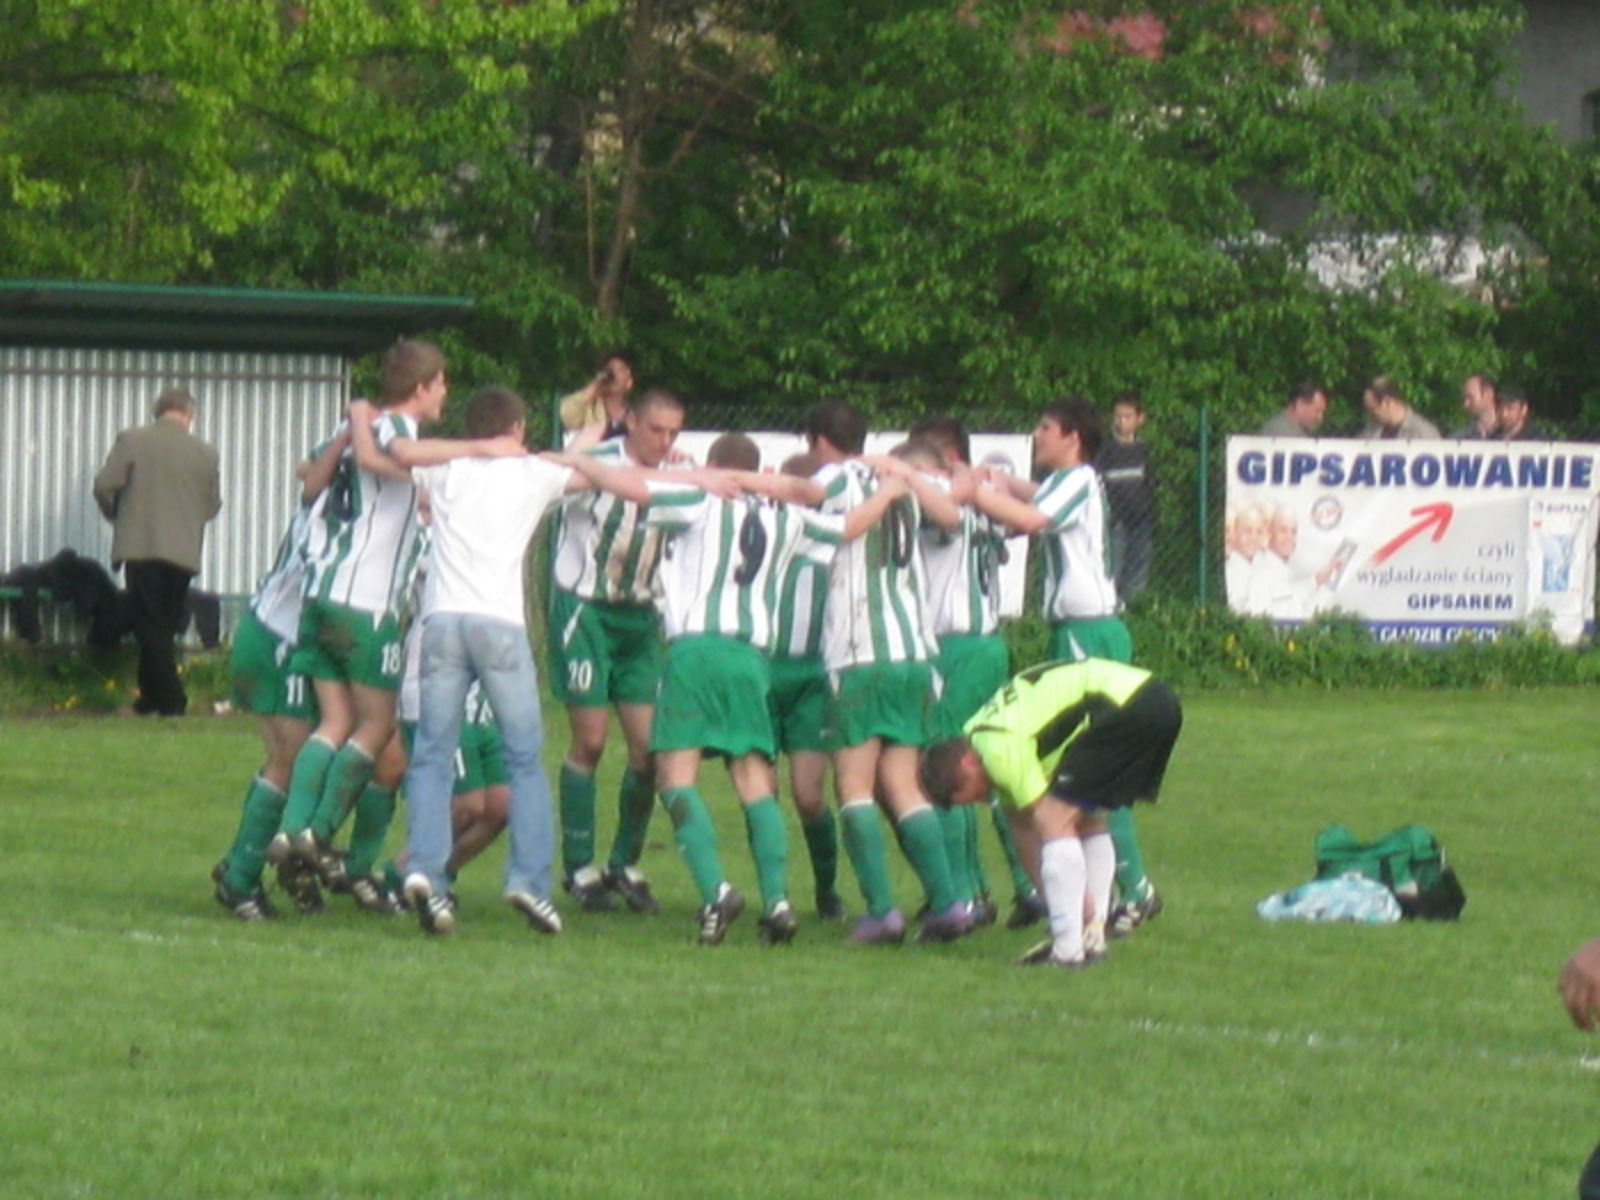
<point x="974" y="852"/>
<point x="697" y="839"/>
<point x="1021" y="885"/>
<point x="374" y="812"/>
<point x="636" y="800"/>
<point x="869" y="854"/>
<point x="1131" y="880"/>
<point x="769" y="846"/>
<point x="953" y="828"/>
<point x="922" y="837"/>
<point x="822" y="844"/>
<point x="305" y="784"/>
<point x="576" y="791"/>
<point x="263" y="809"/>
<point x="393" y="878"/>
<point x="350" y="773"/>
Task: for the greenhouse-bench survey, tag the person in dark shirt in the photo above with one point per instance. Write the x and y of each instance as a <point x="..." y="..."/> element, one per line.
<point x="1130" y="482"/>
<point x="1514" y="417"/>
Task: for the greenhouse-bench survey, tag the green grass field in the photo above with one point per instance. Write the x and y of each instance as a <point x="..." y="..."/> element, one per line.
<point x="156" y="1047"/>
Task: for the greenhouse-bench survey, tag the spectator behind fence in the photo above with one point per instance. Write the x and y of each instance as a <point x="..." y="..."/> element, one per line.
<point x="1302" y="416"/>
<point x="1124" y="465"/>
<point x="1391" y="416"/>
<point x="595" y="412"/>
<point x="1514" y="417"/>
<point x="1478" y="401"/>
<point x="158" y="488"/>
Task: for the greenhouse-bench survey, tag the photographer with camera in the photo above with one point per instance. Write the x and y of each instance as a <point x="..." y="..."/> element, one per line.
<point x="594" y="412"/>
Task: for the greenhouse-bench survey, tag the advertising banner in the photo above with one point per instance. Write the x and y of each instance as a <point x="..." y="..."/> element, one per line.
<point x="1423" y="540"/>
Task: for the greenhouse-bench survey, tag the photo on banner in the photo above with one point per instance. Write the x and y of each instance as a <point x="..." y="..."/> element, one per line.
<point x="1422" y="540"/>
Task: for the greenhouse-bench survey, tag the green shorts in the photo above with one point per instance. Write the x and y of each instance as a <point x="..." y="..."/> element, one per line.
<point x="1094" y="637"/>
<point x="714" y="698"/>
<point x="603" y="654"/>
<point x="262" y="682"/>
<point x="890" y="701"/>
<point x="479" y="761"/>
<point x="349" y="646"/>
<point x="972" y="668"/>
<point x="798" y="704"/>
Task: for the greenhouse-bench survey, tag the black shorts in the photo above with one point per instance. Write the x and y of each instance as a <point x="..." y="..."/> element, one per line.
<point x="1122" y="757"/>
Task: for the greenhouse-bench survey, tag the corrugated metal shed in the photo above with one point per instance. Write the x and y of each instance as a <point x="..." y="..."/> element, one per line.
<point x="270" y="372"/>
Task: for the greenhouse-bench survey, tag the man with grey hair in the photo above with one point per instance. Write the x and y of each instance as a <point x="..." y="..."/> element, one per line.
<point x="158" y="488"/>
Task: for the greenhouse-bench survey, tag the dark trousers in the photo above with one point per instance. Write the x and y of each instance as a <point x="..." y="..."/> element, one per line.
<point x="157" y="594"/>
<point x="1589" y="1181"/>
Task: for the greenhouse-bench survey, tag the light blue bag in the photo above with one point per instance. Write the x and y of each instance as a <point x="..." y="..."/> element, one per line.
<point x="1351" y="897"/>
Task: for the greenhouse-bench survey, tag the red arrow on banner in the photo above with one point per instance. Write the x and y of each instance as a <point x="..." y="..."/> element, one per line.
<point x="1436" y="515"/>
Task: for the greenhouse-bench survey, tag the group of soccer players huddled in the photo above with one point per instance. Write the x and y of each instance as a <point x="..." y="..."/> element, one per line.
<point x="841" y="611"/>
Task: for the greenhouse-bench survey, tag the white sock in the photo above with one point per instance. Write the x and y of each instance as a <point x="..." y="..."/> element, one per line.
<point x="1100" y="864"/>
<point x="1064" y="874"/>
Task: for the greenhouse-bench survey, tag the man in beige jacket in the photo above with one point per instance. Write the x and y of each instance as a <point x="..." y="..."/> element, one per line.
<point x="159" y="487"/>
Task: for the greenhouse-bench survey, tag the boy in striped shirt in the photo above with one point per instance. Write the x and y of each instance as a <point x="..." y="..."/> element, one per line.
<point x="604" y="651"/>
<point x="1067" y="513"/>
<point x="720" y="582"/>
<point x="349" y="636"/>
<point x="879" y="652"/>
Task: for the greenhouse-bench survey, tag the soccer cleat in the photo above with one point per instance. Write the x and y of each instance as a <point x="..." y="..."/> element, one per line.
<point x="984" y="912"/>
<point x="370" y="894"/>
<point x="588" y="887"/>
<point x="954" y="922"/>
<point x="1043" y="954"/>
<point x="779" y="926"/>
<point x="1128" y="915"/>
<point x="829" y="906"/>
<point x="305" y="845"/>
<point x="247" y="906"/>
<point x="719" y="914"/>
<point x="630" y="884"/>
<point x="299" y="882"/>
<point x="435" y="913"/>
<point x="279" y="850"/>
<point x="541" y="914"/>
<point x="887" y="930"/>
<point x="1027" y="910"/>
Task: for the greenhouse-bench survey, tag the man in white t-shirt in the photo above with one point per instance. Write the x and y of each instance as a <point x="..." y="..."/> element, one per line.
<point x="473" y="628"/>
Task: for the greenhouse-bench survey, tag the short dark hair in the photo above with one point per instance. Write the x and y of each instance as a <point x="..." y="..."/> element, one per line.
<point x="494" y="410"/>
<point x="838" y="422"/>
<point x="919" y="452"/>
<point x="937" y="772"/>
<point x="1510" y="394"/>
<point x="802" y="466"/>
<point x="1306" y="391"/>
<point x="640" y="401"/>
<point x="1131" y="398"/>
<point x="175" y="399"/>
<point x="1074" y="414"/>
<point x="1384" y="389"/>
<point x="407" y="365"/>
<point x="946" y="433"/>
<point x="737" y="451"/>
<point x="1485" y="380"/>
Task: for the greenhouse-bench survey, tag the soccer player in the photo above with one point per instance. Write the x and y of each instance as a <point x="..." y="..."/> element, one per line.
<point x="484" y="512"/>
<point x="963" y="569"/>
<point x="349" y="638"/>
<point x="263" y="683"/>
<point x="605" y="650"/>
<point x="1061" y="745"/>
<point x="722" y="572"/>
<point x="1067" y="513"/>
<point x="879" y="654"/>
<point x="798" y="703"/>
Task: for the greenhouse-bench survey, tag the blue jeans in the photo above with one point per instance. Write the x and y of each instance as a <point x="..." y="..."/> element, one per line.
<point x="456" y="649"/>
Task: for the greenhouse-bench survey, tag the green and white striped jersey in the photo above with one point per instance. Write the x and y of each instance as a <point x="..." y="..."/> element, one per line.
<point x="963" y="570"/>
<point x="1077" y="581"/>
<point x="802" y="609"/>
<point x="281" y="593"/>
<point x="604" y="551"/>
<point x="369" y="531"/>
<point x="876" y="594"/>
<point x="726" y="560"/>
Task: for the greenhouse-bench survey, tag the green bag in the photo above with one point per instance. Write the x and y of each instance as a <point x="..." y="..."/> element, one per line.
<point x="1408" y="861"/>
